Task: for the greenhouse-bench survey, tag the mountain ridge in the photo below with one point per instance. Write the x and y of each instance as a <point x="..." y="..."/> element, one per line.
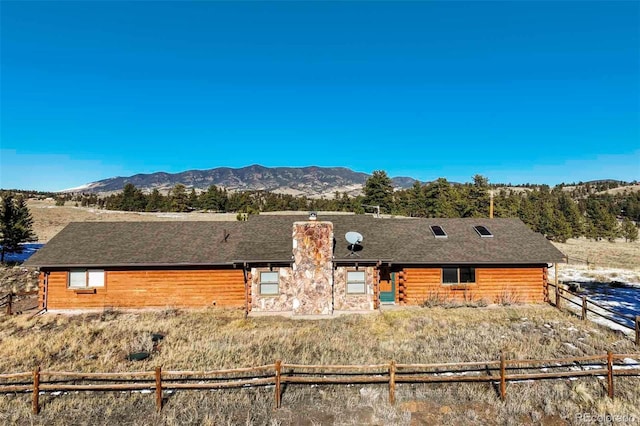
<point x="312" y="181"/>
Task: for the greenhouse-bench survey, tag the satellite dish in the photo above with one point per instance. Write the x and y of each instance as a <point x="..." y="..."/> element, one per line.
<point x="353" y="237"/>
<point x="355" y="242"/>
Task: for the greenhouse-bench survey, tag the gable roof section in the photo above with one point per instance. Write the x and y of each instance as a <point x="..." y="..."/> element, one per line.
<point x="102" y="244"/>
<point x="268" y="238"/>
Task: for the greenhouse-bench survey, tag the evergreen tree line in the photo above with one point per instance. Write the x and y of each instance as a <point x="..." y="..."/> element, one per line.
<point x="556" y="212"/>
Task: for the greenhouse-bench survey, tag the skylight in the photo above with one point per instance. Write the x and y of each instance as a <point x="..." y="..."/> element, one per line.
<point x="483" y="231"/>
<point x="438" y="231"/>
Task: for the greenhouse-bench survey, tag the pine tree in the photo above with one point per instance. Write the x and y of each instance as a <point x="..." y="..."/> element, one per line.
<point x="526" y="210"/>
<point x="440" y="199"/>
<point x="602" y="223"/>
<point x="194" y="202"/>
<point x="214" y="199"/>
<point x="570" y="211"/>
<point x="179" y="200"/>
<point x="629" y="230"/>
<point x="416" y="201"/>
<point x="15" y="225"/>
<point x="155" y="201"/>
<point x="378" y="191"/>
<point x="477" y="198"/>
<point x="133" y="200"/>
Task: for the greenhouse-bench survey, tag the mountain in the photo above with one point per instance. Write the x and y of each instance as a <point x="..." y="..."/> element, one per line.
<point x="310" y="181"/>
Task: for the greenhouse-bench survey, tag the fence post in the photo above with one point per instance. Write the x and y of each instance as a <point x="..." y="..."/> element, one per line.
<point x="278" y="395"/>
<point x="158" y="388"/>
<point x="9" y="301"/>
<point x="392" y="382"/>
<point x="610" y="373"/>
<point x="638" y="330"/>
<point x="558" y="297"/>
<point x="36" y="390"/>
<point x="584" y="308"/>
<point x="503" y="376"/>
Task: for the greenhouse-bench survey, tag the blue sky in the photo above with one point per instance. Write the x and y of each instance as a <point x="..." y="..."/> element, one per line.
<point x="517" y="91"/>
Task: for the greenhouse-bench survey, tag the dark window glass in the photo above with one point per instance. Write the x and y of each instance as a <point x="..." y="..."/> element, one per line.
<point x="483" y="231"/>
<point x="438" y="231"/>
<point x="467" y="275"/>
<point x="450" y="275"/>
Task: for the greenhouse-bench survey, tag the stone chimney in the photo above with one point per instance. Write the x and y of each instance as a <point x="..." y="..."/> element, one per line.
<point x="313" y="268"/>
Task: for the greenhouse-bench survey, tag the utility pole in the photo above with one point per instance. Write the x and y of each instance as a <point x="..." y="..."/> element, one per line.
<point x="491" y="204"/>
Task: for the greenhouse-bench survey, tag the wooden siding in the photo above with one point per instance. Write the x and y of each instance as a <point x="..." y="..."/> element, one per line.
<point x="494" y="285"/>
<point x="152" y="288"/>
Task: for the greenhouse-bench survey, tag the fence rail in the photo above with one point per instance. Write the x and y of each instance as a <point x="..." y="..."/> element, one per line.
<point x="9" y="299"/>
<point x="498" y="372"/>
<point x="584" y="305"/>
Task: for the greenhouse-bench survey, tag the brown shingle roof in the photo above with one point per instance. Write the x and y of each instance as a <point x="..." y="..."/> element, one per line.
<point x="139" y="243"/>
<point x="268" y="238"/>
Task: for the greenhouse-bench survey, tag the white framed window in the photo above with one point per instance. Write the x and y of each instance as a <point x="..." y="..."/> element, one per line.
<point x="83" y="278"/>
<point x="269" y="283"/>
<point x="356" y="283"/>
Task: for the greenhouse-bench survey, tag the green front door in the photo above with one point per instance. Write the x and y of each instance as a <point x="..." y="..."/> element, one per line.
<point x="388" y="289"/>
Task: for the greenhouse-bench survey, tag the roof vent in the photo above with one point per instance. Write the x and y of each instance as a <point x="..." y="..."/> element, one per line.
<point x="483" y="231"/>
<point x="438" y="231"/>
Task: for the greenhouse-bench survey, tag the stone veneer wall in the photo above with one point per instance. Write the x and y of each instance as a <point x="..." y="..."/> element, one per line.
<point x="349" y="302"/>
<point x="312" y="268"/>
<point x="275" y="303"/>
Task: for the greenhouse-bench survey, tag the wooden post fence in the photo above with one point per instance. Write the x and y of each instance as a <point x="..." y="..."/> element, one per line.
<point x="318" y="375"/>
<point x="610" y="373"/>
<point x="392" y="382"/>
<point x="9" y="302"/>
<point x="503" y="376"/>
<point x="584" y="308"/>
<point x="278" y="391"/>
<point x="558" y="297"/>
<point x="36" y="390"/>
<point x="158" y="388"/>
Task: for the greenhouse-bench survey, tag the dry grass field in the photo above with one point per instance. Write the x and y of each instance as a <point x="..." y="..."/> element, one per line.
<point x="49" y="219"/>
<point x="604" y="254"/>
<point x="213" y="339"/>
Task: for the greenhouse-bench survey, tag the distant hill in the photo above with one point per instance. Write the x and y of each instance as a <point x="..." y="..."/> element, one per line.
<point x="310" y="181"/>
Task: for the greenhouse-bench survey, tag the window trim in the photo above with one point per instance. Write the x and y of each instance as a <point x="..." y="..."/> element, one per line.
<point x="86" y="279"/>
<point x="440" y="237"/>
<point x="347" y="282"/>
<point x="458" y="283"/>
<point x="489" y="235"/>
<point x="260" y="282"/>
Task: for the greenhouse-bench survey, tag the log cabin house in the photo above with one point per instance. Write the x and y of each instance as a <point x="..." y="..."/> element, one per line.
<point x="292" y="264"/>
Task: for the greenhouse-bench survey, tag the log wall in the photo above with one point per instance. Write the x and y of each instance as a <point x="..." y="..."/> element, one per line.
<point x="152" y="288"/>
<point x="494" y="285"/>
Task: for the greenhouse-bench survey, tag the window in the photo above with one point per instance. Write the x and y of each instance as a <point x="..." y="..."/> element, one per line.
<point x="483" y="231"/>
<point x="461" y="275"/>
<point x="356" y="282"/>
<point x="438" y="231"/>
<point x="83" y="278"/>
<point x="269" y="283"/>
